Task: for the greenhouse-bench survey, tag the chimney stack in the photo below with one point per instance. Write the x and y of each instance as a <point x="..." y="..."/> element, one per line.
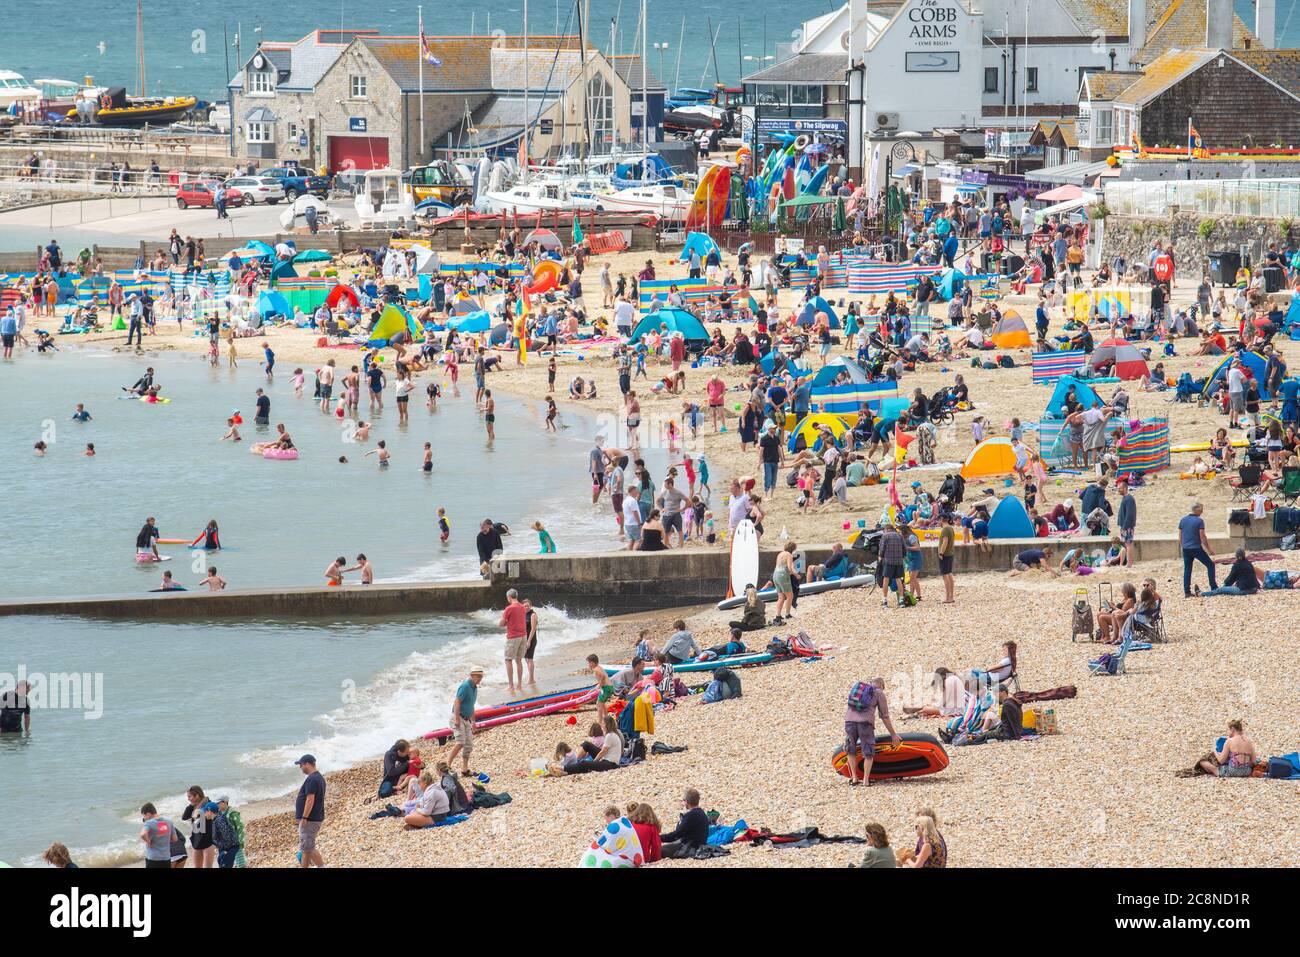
<point x="1266" y="22"/>
<point x="1137" y="24"/>
<point x="1219" y="18"/>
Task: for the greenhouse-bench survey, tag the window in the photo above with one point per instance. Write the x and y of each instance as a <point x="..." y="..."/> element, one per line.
<point x="259" y="82"/>
<point x="1103" y="128"/>
<point x="357" y="85"/>
<point x="293" y="131"/>
<point x="260" y="133"/>
<point x="990" y="79"/>
<point x="1031" y="79"/>
<point x="805" y="95"/>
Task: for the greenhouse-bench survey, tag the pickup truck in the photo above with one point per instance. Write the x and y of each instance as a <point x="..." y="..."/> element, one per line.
<point x="298" y="181"/>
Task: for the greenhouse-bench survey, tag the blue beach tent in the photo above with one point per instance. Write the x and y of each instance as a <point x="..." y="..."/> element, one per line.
<point x="1082" y="391"/>
<point x="677" y="320"/>
<point x="1010" y="520"/>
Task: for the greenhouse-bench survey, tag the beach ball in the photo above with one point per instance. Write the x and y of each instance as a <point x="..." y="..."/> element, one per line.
<point x="1058" y="482"/>
<point x="1006" y="483"/>
<point x="573" y="720"/>
<point x="846" y="525"/>
<point x="379" y="358"/>
<point x="737" y="406"/>
<point x="722" y="428"/>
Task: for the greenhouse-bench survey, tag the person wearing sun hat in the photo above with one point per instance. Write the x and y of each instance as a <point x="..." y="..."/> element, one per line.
<point x="462" y="720"/>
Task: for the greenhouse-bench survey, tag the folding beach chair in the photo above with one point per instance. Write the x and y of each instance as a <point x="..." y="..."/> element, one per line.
<point x="1114" y="665"/>
<point x="1149" y="627"/>
<point x="1289" y="490"/>
<point x="1247" y="482"/>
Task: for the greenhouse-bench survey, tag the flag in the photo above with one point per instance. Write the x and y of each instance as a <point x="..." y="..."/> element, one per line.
<point x="577" y="231"/>
<point x="1136" y="142"/>
<point x="425" y="52"/>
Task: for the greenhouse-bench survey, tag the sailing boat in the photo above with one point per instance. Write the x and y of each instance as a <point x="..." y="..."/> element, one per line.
<point x="118" y="109"/>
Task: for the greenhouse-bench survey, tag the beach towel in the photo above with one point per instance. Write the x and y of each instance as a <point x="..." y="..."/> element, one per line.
<point x="1251" y="557"/>
<point x="805" y="837"/>
<point x="1094" y="435"/>
<point x="720" y="834"/>
<point x="615" y="846"/>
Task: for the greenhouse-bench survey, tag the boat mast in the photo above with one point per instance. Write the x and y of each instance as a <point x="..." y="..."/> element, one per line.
<point x="523" y="172"/>
<point x="677" y="70"/>
<point x="645" y="100"/>
<point x="586" y="92"/>
<point x="139" y="47"/>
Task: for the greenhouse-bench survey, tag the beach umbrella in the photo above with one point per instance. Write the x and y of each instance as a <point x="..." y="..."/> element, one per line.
<point x="248" y="252"/>
<point x="313" y="256"/>
<point x="262" y="249"/>
<point x="839" y="221"/>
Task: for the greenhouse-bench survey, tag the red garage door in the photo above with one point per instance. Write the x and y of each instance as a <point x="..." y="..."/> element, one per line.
<point x="358" y="152"/>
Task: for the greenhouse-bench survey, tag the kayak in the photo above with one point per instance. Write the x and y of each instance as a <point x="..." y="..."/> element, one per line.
<point x="544" y="708"/>
<point x="816" y="588"/>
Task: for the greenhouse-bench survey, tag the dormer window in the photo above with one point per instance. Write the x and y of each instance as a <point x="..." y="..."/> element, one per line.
<point x="260" y="79"/>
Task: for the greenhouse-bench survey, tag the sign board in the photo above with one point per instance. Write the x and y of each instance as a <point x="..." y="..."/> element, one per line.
<point x="786" y="125"/>
<point x="638" y="107"/>
<point x="933" y="61"/>
<point x="933" y="24"/>
<point x="302" y="140"/>
<point x="546" y="127"/>
<point x="356" y="124"/>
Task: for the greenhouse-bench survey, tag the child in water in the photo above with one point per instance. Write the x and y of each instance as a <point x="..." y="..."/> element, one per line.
<point x="298" y="379"/>
<point x="444" y="527"/>
<point x="427" y="465"/>
<point x="382" y="452"/>
<point x="544" y="539"/>
<point x="551" y="412"/>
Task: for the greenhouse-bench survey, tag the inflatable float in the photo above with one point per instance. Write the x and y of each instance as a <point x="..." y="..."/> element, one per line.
<point x="287" y="455"/>
<point x="917" y="754"/>
<point x="816" y="588"/>
<point x="1205" y="446"/>
<point x="542" y="707"/>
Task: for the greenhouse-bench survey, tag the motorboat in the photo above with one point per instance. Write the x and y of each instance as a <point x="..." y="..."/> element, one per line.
<point x="536" y="196"/>
<point x="115" y="108"/>
<point x="383" y="197"/>
<point x="15" y="89"/>
<point x="664" y="200"/>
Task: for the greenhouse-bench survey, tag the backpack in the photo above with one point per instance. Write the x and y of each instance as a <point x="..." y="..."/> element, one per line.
<point x="862" y="696"/>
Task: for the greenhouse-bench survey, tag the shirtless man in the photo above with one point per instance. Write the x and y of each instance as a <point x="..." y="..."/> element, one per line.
<point x="334" y="574"/>
<point x="214" y="581"/>
<point x="326" y="384"/>
<point x="352" y="389"/>
<point x="367" y="570"/>
<point x="490" y="414"/>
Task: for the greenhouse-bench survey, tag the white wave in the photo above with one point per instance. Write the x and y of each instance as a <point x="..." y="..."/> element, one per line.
<point x="415" y="696"/>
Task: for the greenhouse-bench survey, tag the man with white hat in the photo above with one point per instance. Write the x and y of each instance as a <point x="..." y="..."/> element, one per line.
<point x="462" y="720"/>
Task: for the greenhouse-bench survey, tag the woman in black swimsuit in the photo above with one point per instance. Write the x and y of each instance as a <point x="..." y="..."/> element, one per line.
<point x="652" y="534"/>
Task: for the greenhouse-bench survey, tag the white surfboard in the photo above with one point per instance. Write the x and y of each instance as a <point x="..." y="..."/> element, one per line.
<point x="744" y="557"/>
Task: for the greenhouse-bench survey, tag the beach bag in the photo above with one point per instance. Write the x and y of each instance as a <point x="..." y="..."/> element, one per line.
<point x="1277" y="578"/>
<point x="862" y="696"/>
<point x="778" y="648"/>
<point x="1006" y="362"/>
<point x="1109" y="663"/>
<point x="1279" y="768"/>
<point x="713" y="692"/>
<point x="1288" y="543"/>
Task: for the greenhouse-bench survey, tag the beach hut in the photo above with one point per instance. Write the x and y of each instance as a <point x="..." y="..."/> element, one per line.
<point x="677" y="320"/>
<point x="1085" y="393"/>
<point x="701" y="243"/>
<point x="1011" y="332"/>
<point x="828" y="373"/>
<point x="1252" y="361"/>
<point x="1124" y="358"/>
<point x="991" y="457"/>
<point x="1010" y="520"/>
<point x="805" y="431"/>
<point x="392" y="321"/>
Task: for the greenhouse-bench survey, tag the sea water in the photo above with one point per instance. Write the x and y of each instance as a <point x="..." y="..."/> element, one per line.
<point x="70" y="522"/>
<point x="230" y="705"/>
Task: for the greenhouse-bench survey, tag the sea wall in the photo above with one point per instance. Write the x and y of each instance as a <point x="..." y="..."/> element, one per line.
<point x="596" y="582"/>
<point x="1194" y="236"/>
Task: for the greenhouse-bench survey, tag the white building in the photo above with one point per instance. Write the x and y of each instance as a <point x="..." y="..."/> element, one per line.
<point x="919" y="66"/>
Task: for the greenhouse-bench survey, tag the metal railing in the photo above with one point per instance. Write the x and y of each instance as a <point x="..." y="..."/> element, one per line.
<point x="50" y="175"/>
<point x="126" y="140"/>
<point x="1266" y="199"/>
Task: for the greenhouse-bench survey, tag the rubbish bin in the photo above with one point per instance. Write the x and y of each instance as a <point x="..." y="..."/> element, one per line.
<point x="1223" y="267"/>
<point x="1274" y="278"/>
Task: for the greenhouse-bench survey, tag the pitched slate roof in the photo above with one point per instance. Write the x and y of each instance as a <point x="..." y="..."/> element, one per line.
<point x="466" y="61"/>
<point x="1181" y="24"/>
<point x="631" y="68"/>
<point x="1280" y="66"/>
<point x="1163" y="72"/>
<point x="1104" y="86"/>
<point x="804" y="68"/>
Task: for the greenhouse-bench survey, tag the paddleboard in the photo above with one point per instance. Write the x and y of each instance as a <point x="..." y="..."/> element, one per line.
<point x="917" y="754"/>
<point x="744" y="558"/>
<point x="587" y="697"/>
<point x="727" y="661"/>
<point x="1205" y="446"/>
<point x="816" y="588"/>
<point x="153" y="561"/>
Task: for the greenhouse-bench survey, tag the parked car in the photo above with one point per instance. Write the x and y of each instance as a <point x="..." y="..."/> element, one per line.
<point x="257" y="189"/>
<point x="298" y="181"/>
<point x="200" y="193"/>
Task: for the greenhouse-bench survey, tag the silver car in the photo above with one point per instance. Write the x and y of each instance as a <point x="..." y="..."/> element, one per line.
<point x="258" y="189"/>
